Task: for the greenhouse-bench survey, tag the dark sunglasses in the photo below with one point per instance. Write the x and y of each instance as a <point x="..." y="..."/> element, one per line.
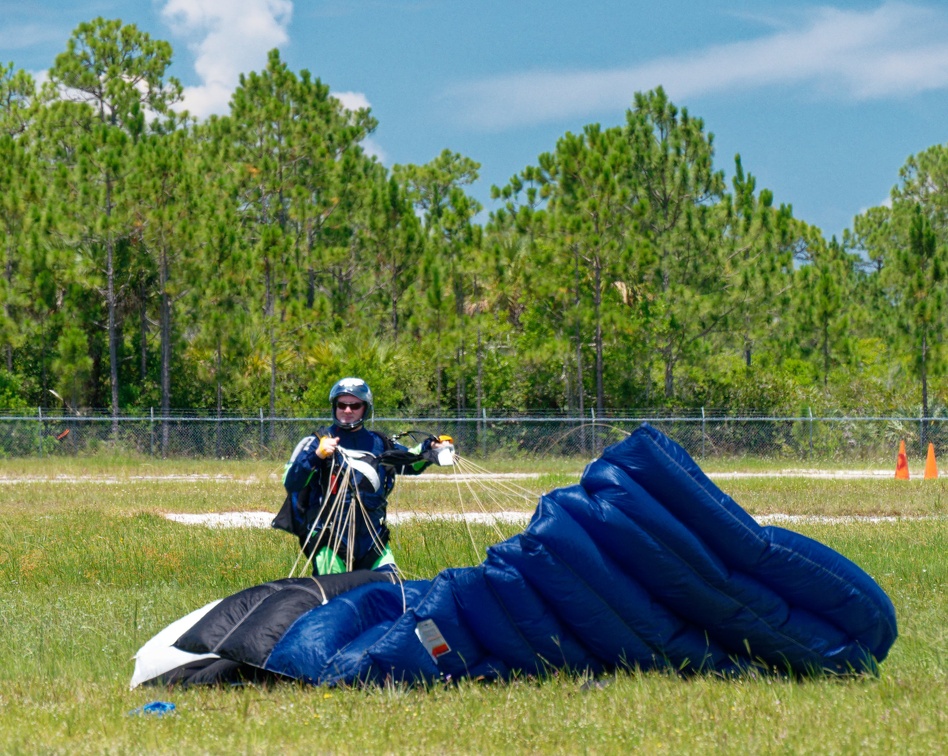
<point x="354" y="406"/>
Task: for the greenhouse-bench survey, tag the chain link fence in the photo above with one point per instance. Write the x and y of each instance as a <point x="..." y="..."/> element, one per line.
<point x="242" y="435"/>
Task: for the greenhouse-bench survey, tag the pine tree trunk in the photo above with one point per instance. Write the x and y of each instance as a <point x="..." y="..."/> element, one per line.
<point x="165" y="351"/>
<point x="271" y="333"/>
<point x="8" y="350"/>
<point x="143" y="329"/>
<point x="113" y="336"/>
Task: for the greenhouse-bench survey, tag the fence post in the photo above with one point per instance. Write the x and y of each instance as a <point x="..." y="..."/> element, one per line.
<point x="39" y="416"/>
<point x="151" y="432"/>
<point x="921" y="431"/>
<point x="810" y="410"/>
<point x="483" y="432"/>
<point x="595" y="444"/>
<point x="261" y="431"/>
<point x="703" y="432"/>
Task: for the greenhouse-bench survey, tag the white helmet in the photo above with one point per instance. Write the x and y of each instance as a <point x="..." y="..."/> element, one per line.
<point x="353" y="387"/>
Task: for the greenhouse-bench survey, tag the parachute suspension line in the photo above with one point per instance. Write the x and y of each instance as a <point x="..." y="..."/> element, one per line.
<point x="342" y="519"/>
<point x="339" y="515"/>
<point x="467" y="524"/>
<point x="496" y="489"/>
<point x="607" y="428"/>
<point x="488" y="494"/>
<point x="497" y="492"/>
<point x="484" y="510"/>
<point x="511" y="489"/>
<point x="377" y="542"/>
<point x="340" y="511"/>
<point x="309" y="535"/>
<point x="356" y="509"/>
<point x="332" y="511"/>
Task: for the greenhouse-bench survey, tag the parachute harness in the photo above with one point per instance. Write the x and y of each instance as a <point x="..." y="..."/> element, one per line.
<point x="339" y="519"/>
<point x="338" y="513"/>
<point x="481" y="499"/>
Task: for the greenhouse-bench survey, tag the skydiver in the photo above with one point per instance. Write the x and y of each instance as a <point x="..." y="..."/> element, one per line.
<point x="313" y="477"/>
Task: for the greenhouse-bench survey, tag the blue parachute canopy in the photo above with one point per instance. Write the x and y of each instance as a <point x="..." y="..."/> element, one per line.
<point x="644" y="564"/>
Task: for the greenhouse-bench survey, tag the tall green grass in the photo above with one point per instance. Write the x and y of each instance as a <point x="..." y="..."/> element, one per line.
<point x="89" y="570"/>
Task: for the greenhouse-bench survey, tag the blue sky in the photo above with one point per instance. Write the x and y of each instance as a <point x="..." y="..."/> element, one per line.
<point x="824" y="101"/>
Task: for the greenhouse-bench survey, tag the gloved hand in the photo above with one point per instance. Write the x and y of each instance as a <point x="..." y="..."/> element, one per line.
<point x="443" y="450"/>
<point x="327" y="447"/>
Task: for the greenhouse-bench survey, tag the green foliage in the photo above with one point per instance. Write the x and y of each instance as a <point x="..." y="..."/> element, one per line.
<point x="726" y="381"/>
<point x="252" y="259"/>
<point x="11" y="391"/>
<point x="395" y="374"/>
<point x="73" y="365"/>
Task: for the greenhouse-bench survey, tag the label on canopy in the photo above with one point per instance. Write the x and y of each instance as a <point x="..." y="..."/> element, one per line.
<point x="432" y="639"/>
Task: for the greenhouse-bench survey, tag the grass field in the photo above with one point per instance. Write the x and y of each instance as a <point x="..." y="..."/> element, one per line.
<point x="90" y="569"/>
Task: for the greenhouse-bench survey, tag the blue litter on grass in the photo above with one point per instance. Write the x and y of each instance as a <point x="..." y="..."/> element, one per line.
<point x="155" y="708"/>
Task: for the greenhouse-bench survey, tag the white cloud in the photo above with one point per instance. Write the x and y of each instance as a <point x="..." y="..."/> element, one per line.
<point x="352" y="100"/>
<point x="227" y="38"/>
<point x="39" y="77"/>
<point x="892" y="51"/>
<point x="231" y="37"/>
<point x="373" y="149"/>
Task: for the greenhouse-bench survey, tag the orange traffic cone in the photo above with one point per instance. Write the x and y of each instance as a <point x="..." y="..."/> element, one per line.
<point x="901" y="463"/>
<point x="931" y="469"/>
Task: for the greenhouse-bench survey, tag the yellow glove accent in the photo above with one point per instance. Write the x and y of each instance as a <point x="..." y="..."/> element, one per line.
<point x="324" y="451"/>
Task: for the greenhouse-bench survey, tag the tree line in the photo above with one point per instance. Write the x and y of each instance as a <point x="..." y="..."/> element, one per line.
<point x="151" y="259"/>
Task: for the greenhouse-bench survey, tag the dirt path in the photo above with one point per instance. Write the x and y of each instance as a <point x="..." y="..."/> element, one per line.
<point x="263" y="519"/>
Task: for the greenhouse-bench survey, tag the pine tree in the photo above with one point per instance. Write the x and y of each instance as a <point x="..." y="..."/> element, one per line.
<point x="452" y="257"/>
<point x="288" y="138"/>
<point x="20" y="193"/>
<point x="675" y="192"/>
<point x="97" y="96"/>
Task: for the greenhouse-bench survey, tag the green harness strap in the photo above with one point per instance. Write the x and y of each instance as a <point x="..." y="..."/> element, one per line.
<point x="328" y="561"/>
